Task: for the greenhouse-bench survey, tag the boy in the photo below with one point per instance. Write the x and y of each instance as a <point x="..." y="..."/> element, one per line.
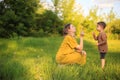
<point x="102" y="42"/>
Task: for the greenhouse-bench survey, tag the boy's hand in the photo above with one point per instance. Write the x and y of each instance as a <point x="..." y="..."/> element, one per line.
<point x="94" y="36"/>
<point x="97" y="44"/>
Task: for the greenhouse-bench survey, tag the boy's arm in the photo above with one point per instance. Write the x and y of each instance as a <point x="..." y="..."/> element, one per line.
<point x="104" y="39"/>
<point x="95" y="37"/>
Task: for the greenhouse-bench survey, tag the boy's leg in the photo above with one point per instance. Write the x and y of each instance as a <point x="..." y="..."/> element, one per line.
<point x="102" y="63"/>
<point x="102" y="57"/>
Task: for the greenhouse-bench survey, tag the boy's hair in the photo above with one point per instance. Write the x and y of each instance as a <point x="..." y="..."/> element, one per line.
<point x="65" y="30"/>
<point x="103" y="24"/>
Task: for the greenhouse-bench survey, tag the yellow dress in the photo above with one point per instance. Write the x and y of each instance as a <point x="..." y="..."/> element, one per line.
<point x="67" y="53"/>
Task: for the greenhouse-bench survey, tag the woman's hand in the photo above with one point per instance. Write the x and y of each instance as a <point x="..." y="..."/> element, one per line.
<point x="82" y="34"/>
<point x="78" y="50"/>
<point x="93" y="33"/>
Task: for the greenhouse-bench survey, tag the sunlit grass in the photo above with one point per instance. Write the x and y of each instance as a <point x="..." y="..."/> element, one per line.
<point x="34" y="59"/>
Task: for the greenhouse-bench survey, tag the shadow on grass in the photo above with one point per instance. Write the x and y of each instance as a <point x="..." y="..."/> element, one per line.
<point x="12" y="70"/>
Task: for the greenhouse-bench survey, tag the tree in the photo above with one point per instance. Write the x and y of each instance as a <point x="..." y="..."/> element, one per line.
<point x="17" y="17"/>
<point x="115" y="27"/>
<point x="49" y="23"/>
<point x="70" y="12"/>
<point x="56" y="5"/>
<point x="110" y="18"/>
<point x="91" y="20"/>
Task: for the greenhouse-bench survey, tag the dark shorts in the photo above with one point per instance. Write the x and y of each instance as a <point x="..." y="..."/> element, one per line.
<point x="102" y="55"/>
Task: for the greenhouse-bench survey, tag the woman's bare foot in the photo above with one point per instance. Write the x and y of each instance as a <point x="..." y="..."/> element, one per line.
<point x="84" y="53"/>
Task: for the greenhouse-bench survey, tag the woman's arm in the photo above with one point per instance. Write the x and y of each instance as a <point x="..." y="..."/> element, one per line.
<point x="80" y="47"/>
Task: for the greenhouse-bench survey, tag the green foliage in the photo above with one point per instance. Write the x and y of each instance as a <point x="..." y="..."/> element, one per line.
<point x="91" y="20"/>
<point x="56" y="5"/>
<point x="49" y="23"/>
<point x="30" y="18"/>
<point x="17" y="17"/>
<point x="70" y="12"/>
<point x="113" y="25"/>
<point x="116" y="27"/>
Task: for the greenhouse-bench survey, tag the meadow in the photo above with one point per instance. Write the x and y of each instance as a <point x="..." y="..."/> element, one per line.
<point x="34" y="59"/>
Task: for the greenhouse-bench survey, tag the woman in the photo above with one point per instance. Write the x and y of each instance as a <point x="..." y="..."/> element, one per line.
<point x="70" y="52"/>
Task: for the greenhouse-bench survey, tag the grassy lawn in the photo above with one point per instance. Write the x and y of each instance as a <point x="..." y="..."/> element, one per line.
<point x="34" y="59"/>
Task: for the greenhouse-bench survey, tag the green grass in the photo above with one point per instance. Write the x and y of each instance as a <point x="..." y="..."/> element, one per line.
<point x="34" y="59"/>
